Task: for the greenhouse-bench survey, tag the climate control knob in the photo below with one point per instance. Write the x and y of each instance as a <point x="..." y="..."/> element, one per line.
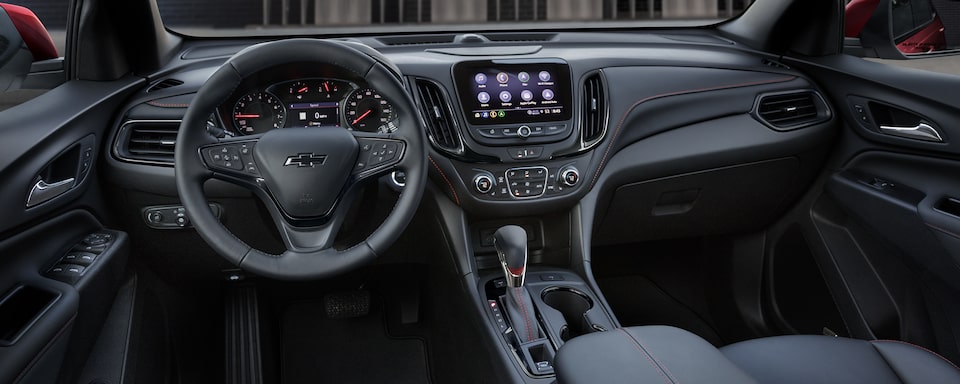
<point x="483" y="182"/>
<point x="569" y="176"/>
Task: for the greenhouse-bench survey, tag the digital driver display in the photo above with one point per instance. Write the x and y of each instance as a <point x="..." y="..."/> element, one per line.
<point x="509" y="92"/>
<point x="313" y="114"/>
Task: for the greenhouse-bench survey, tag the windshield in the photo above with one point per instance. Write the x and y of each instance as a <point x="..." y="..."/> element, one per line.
<point x="231" y="17"/>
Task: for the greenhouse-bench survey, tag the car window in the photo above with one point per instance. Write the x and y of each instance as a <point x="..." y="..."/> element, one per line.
<point x="273" y="16"/>
<point x="926" y="31"/>
<point x="32" y="36"/>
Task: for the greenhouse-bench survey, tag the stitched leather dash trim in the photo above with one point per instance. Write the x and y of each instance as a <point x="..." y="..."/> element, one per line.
<point x="616" y="132"/>
<point x="661" y="369"/>
<point x="456" y="199"/>
<point x="921" y="348"/>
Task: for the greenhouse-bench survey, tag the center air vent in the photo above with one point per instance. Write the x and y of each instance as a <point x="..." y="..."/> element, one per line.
<point x="166" y="83"/>
<point x="417" y="40"/>
<point x="791" y="110"/>
<point x="593" y="112"/>
<point x="436" y="113"/>
<point x="147" y="141"/>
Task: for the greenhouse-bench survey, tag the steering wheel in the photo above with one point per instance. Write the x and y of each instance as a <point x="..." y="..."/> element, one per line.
<point x="305" y="176"/>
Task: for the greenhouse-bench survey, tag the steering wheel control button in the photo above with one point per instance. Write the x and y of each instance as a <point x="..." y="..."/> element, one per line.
<point x="231" y="157"/>
<point x="525" y="153"/>
<point x="528" y="182"/>
<point x="376" y="154"/>
<point x="569" y="176"/>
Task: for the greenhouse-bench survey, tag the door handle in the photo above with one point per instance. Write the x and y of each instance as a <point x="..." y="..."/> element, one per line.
<point x="922" y="131"/>
<point x="43" y="191"/>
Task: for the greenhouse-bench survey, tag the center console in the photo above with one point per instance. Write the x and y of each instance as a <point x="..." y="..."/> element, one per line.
<point x="534" y="312"/>
<point x="522" y="169"/>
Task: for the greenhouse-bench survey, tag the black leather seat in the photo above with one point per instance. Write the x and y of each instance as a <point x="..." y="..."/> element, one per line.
<point x="659" y="354"/>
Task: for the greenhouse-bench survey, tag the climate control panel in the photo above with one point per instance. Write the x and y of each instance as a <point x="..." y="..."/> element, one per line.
<point x="525" y="182"/>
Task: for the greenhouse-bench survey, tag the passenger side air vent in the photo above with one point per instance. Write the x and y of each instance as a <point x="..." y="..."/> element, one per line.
<point x="441" y="127"/>
<point x="593" y="117"/>
<point x="164" y="84"/>
<point x="147" y="141"/>
<point x="793" y="110"/>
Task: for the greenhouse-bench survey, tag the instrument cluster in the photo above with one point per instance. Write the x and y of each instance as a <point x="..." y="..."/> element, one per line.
<point x="315" y="102"/>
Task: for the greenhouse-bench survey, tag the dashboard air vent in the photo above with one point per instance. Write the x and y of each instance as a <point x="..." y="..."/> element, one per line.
<point x="594" y="110"/>
<point x="791" y="110"/>
<point x="774" y="63"/>
<point x="147" y="141"/>
<point x="436" y="113"/>
<point x="166" y="83"/>
<point x="417" y="40"/>
<point x="521" y="37"/>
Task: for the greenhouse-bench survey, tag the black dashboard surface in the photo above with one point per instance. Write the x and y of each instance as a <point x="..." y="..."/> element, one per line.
<point x="506" y="141"/>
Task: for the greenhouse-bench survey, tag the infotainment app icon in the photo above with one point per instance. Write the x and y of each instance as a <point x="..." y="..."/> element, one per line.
<point x="480" y="78"/>
<point x="523" y="77"/>
<point x="503" y="77"/>
<point x="544" y="76"/>
<point x="483" y="97"/>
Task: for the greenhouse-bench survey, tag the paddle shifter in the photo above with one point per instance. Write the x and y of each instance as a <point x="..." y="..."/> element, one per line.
<point x="511" y="244"/>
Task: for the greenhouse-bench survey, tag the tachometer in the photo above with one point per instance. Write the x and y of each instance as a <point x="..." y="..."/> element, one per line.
<point x="366" y="110"/>
<point x="258" y="112"/>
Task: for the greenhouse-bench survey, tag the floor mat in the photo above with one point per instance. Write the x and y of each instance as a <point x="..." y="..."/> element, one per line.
<point x="638" y="301"/>
<point x="318" y="349"/>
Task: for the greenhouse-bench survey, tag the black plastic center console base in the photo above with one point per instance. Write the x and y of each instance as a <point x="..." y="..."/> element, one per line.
<point x="565" y="307"/>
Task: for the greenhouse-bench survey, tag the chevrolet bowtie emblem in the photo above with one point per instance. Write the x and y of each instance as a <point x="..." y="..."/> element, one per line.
<point x="305" y="160"/>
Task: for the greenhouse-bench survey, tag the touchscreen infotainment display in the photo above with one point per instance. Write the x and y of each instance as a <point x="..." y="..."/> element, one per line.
<point x="512" y="92"/>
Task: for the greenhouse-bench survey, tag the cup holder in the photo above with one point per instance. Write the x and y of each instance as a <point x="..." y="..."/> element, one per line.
<point x="573" y="305"/>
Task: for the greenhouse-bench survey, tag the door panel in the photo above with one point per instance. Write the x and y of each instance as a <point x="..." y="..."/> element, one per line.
<point x="885" y="227"/>
<point x="56" y="282"/>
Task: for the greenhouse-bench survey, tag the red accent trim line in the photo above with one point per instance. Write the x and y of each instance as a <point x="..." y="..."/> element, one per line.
<point x="456" y="199"/>
<point x="616" y="132"/>
<point x="523" y="310"/>
<point x="643" y="351"/>
<point x="921" y="348"/>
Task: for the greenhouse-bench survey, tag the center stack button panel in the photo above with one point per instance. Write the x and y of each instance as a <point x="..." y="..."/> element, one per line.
<point x="511" y="182"/>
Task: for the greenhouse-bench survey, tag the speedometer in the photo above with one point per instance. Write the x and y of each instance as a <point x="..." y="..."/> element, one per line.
<point x="367" y="110"/>
<point x="258" y="112"/>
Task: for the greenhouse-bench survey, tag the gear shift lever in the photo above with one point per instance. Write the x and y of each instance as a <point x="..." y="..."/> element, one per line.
<point x="511" y="244"/>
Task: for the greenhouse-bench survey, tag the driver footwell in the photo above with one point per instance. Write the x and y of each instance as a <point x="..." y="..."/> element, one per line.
<point x="368" y="326"/>
<point x="320" y="349"/>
